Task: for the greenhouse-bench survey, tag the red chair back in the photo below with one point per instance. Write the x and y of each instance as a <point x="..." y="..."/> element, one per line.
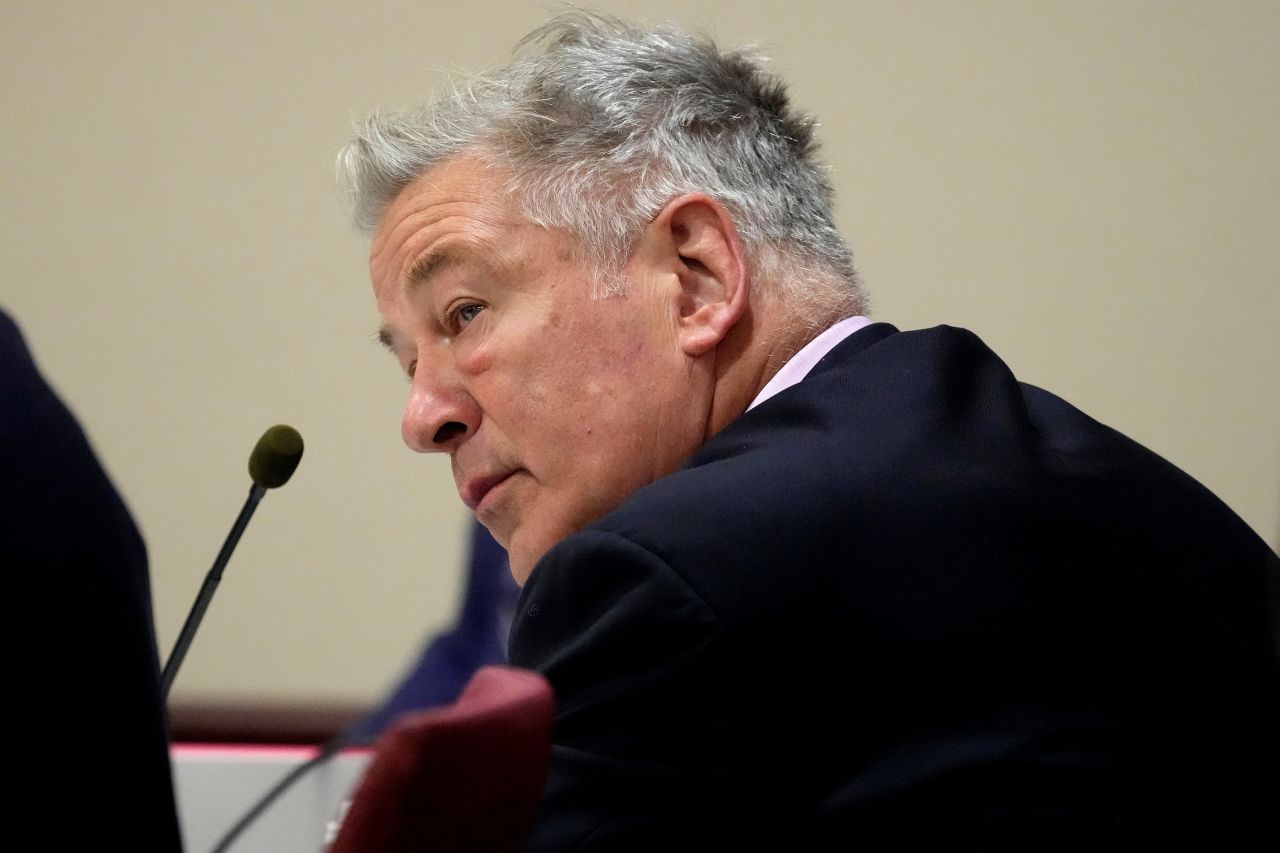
<point x="468" y="776"/>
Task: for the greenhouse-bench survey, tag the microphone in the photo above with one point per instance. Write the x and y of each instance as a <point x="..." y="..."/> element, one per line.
<point x="274" y="459"/>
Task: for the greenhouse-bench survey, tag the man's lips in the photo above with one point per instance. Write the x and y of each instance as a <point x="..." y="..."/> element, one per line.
<point x="474" y="490"/>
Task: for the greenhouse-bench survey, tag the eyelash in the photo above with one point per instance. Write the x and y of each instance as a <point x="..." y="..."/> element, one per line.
<point x="456" y="321"/>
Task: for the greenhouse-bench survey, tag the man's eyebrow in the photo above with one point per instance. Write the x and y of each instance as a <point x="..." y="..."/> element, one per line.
<point x="425" y="267"/>
<point x="437" y="260"/>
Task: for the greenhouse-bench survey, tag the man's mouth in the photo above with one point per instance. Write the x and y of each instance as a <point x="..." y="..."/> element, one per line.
<point x="474" y="490"/>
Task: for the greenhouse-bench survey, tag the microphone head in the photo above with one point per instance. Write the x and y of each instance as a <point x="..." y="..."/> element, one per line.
<point x="275" y="456"/>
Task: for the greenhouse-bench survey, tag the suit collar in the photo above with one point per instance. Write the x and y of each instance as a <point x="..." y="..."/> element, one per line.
<point x="852" y="345"/>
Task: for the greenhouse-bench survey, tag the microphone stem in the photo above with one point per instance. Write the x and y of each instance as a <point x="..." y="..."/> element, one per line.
<point x="207" y="589"/>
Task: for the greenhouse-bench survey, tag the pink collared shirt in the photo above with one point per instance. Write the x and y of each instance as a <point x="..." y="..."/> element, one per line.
<point x="798" y="366"/>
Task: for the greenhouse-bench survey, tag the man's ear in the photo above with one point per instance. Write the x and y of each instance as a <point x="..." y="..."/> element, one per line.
<point x="703" y="250"/>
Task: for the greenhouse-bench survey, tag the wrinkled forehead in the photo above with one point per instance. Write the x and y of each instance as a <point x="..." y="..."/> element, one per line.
<point x="460" y="199"/>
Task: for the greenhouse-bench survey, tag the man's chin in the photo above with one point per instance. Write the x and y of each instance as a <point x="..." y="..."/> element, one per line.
<point x="524" y="550"/>
<point x="527" y="542"/>
<point x="523" y="560"/>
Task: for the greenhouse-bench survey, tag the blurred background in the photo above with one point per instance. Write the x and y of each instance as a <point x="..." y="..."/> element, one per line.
<point x="1092" y="187"/>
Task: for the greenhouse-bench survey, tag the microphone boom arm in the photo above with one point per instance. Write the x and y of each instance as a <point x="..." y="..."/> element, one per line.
<point x="211" y="580"/>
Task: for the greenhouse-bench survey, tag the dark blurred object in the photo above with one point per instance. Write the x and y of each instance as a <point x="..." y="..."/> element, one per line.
<point x="478" y="639"/>
<point x="465" y="777"/>
<point x="92" y="755"/>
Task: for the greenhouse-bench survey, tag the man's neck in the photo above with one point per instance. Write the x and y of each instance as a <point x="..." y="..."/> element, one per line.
<point x="757" y="347"/>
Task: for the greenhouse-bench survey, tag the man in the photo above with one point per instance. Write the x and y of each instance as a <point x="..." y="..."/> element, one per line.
<point x="796" y="577"/>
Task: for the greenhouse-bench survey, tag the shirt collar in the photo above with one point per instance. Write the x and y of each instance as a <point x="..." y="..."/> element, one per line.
<point x="798" y="366"/>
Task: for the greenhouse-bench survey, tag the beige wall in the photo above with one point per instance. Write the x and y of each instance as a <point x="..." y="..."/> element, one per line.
<point x="1094" y="187"/>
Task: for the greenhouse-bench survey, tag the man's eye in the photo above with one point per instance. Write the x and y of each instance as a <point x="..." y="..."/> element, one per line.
<point x="464" y="314"/>
<point x="412" y="368"/>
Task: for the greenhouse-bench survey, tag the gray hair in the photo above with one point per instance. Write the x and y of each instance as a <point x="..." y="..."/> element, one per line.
<point x="601" y="124"/>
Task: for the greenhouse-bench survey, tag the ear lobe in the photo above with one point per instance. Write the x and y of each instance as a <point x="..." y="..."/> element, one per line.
<point x="709" y="263"/>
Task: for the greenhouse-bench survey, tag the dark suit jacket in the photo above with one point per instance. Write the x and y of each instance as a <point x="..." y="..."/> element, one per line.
<point x="906" y="598"/>
<point x="89" y="754"/>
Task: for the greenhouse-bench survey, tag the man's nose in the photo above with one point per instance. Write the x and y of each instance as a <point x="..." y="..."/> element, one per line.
<point x="438" y="415"/>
